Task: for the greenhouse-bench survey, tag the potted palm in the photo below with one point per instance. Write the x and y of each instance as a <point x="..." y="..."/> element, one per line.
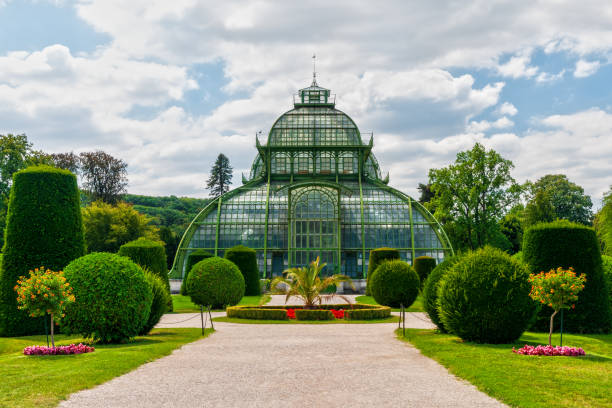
<point x="305" y="283"/>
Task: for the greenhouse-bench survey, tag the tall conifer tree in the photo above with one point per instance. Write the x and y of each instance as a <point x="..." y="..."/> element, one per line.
<point x="220" y="176"/>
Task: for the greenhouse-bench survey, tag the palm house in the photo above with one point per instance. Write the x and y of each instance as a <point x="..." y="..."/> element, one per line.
<point x="315" y="189"/>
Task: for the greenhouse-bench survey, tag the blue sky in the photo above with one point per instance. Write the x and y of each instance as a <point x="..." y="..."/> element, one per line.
<point x="168" y="85"/>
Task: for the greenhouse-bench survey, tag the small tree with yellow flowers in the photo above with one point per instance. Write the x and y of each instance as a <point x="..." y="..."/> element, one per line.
<point x="44" y="293"/>
<point x="558" y="289"/>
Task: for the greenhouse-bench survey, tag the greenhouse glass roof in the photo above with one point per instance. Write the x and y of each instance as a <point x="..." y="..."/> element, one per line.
<point x="315" y="189"/>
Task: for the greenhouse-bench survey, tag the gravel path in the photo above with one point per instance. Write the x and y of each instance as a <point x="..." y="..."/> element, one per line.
<point x="240" y="365"/>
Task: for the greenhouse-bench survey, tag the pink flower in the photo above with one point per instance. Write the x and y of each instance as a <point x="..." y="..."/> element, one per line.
<point x="549" y="351"/>
<point x="60" y="350"/>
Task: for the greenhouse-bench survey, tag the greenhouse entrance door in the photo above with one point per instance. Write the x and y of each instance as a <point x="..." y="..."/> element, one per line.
<point x="314" y="231"/>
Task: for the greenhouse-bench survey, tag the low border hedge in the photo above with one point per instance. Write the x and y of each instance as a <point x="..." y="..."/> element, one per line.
<point x="317" y="314"/>
<point x="351" y="312"/>
<point x="256" y="313"/>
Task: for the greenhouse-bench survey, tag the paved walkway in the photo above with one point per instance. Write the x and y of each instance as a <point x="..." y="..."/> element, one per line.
<point x="333" y="365"/>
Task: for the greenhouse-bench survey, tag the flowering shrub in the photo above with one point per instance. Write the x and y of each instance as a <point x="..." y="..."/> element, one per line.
<point x="44" y="292"/>
<point x="61" y="350"/>
<point x="549" y="351"/>
<point x="291" y="313"/>
<point x="558" y="289"/>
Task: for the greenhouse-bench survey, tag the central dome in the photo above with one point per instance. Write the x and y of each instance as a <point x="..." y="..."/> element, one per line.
<point x="314" y="126"/>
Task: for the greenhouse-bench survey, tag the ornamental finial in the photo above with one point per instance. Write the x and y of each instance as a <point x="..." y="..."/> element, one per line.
<point x="314" y="71"/>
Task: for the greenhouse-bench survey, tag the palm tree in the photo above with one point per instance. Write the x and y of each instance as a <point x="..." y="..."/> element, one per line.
<point x="306" y="284"/>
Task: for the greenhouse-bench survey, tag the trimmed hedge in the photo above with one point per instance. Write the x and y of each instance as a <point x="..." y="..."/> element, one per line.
<point x="159" y="305"/>
<point x="193" y="258"/>
<point x="246" y="260"/>
<point x="216" y="282"/>
<point x="113" y="298"/>
<point x="484" y="297"/>
<point x="44" y="228"/>
<point x="423" y="265"/>
<point x="395" y="283"/>
<point x="148" y="254"/>
<point x="151" y="255"/>
<point x="381" y="312"/>
<point x="257" y="313"/>
<point x="305" y="314"/>
<point x="565" y="244"/>
<point x="430" y="291"/>
<point x="377" y="256"/>
<point x="606" y="264"/>
<point x="351" y="312"/>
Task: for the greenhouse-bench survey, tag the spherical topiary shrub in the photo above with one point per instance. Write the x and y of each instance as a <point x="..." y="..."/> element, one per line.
<point x="193" y="258"/>
<point x="430" y="291"/>
<point x="377" y="256"/>
<point x="246" y="260"/>
<point x="216" y="282"/>
<point x="484" y="297"/>
<point x="423" y="265"/>
<point x="112" y="298"/>
<point x="395" y="283"/>
<point x="159" y="305"/>
<point x="564" y="244"/>
<point x="44" y="228"/>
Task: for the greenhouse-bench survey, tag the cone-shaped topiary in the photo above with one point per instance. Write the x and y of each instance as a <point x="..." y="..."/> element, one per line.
<point x="193" y="258"/>
<point x="112" y="298"/>
<point x="377" y="256"/>
<point x="246" y="260"/>
<point x="44" y="228"/>
<point x="484" y="297"/>
<point x="395" y="283"/>
<point x="430" y="291"/>
<point x="423" y="265"/>
<point x="216" y="282"/>
<point x="565" y="244"/>
<point x="159" y="305"/>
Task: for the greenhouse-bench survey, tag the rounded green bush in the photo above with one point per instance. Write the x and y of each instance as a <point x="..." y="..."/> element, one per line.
<point x="216" y="282"/>
<point x="484" y="297"/>
<point x="394" y="283"/>
<point x="246" y="260"/>
<point x="377" y="256"/>
<point x="430" y="291"/>
<point x="159" y="305"/>
<point x="44" y="228"/>
<point x="112" y="298"/>
<point x="193" y="258"/>
<point x="565" y="244"/>
<point x="423" y="265"/>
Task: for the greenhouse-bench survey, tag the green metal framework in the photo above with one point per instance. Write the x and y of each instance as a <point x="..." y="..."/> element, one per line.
<point x="315" y="189"/>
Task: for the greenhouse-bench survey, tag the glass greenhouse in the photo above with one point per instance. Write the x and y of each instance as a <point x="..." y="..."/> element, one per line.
<point x="315" y="189"/>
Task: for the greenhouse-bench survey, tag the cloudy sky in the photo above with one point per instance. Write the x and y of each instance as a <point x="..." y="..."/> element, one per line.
<point x="167" y="85"/>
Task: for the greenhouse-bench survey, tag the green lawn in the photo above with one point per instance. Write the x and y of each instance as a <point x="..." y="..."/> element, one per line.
<point x="43" y="381"/>
<point x="417" y="306"/>
<point x="225" y="319"/>
<point x="183" y="304"/>
<point x="527" y="381"/>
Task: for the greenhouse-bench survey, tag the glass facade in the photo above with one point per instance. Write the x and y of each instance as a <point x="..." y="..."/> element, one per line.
<point x="315" y="189"/>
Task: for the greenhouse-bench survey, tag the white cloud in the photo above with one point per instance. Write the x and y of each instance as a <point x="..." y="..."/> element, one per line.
<point x="586" y="68"/>
<point x="548" y="77"/>
<point x="484" y="125"/>
<point x="518" y="67"/>
<point x="507" y="108"/>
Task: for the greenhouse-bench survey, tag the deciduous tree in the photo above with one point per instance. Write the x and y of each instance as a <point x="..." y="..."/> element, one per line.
<point x="105" y="177"/>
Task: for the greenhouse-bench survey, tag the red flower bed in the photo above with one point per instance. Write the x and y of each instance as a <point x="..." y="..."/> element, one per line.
<point x="338" y="314"/>
<point x="549" y="351"/>
<point x="61" y="350"/>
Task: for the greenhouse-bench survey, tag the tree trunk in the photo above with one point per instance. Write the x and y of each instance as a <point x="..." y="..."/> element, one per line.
<point x="52" y="338"/>
<point x="551" y="327"/>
